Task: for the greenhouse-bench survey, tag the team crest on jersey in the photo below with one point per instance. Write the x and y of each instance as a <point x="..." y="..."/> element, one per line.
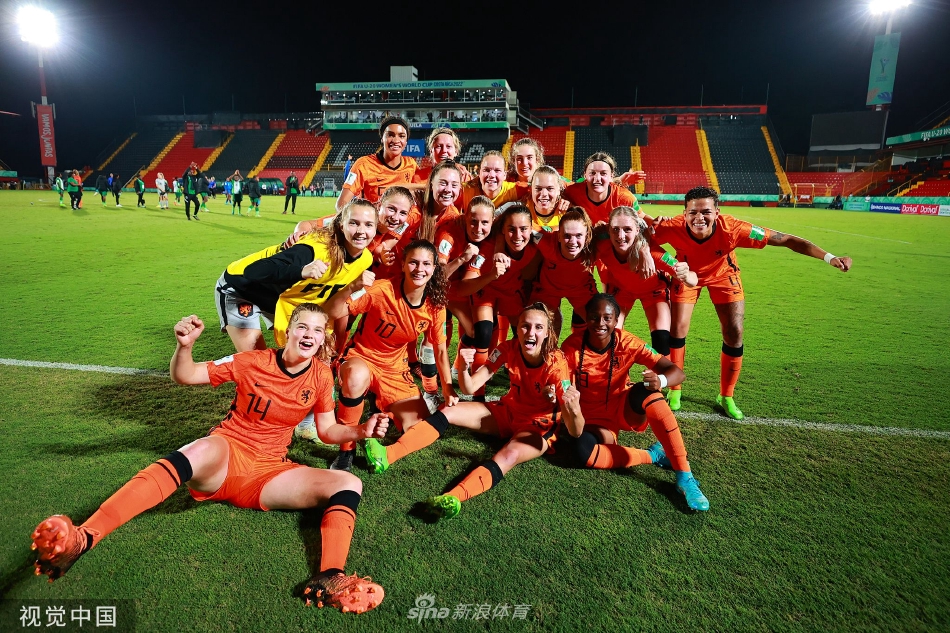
<point x="226" y="359"/>
<point x="422" y="325"/>
<point x="305" y="397"/>
<point x="495" y="355"/>
<point x="445" y="248"/>
<point x="757" y="233"/>
<point x="245" y="309"/>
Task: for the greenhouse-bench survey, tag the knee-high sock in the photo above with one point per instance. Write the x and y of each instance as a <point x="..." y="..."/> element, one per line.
<point x="678" y="355"/>
<point x="336" y="530"/>
<point x="730" y="365"/>
<point x="348" y="412"/>
<point x="664" y="426"/>
<point x="482" y="478"/>
<point x="418" y="437"/>
<point x="147" y="489"/>
<point x="590" y="454"/>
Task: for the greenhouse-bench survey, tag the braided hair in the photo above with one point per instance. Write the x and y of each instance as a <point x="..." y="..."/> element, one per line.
<point x="600" y="297"/>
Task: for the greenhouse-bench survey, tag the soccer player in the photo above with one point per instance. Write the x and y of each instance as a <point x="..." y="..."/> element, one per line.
<point x="490" y="182"/>
<point x="139" y="191"/>
<point x="102" y="187"/>
<point x="161" y="185"/>
<point x="371" y="175"/>
<point x="242" y="461"/>
<point x="598" y="194"/>
<point x="117" y="189"/>
<point x="545" y="202"/>
<point x="204" y="186"/>
<point x="74" y="189"/>
<point x="254" y="193"/>
<point x="394" y="313"/>
<point x="707" y="241"/>
<point x="293" y="188"/>
<point x="237" y="188"/>
<point x="443" y="144"/>
<point x="398" y="222"/>
<point x="227" y="192"/>
<point x="524" y="158"/>
<point x="526" y="415"/>
<point x="60" y="188"/>
<point x="603" y="402"/>
<point x="190" y="187"/>
<point x="617" y="259"/>
<point x="177" y="186"/>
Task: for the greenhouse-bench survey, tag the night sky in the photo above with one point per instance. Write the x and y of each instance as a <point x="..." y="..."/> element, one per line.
<point x="814" y="56"/>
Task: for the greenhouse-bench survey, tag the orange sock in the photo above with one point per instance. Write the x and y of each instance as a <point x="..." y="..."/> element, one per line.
<point x="678" y="356"/>
<point x="607" y="456"/>
<point x="482" y="478"/>
<point x="348" y="412"/>
<point x="730" y="364"/>
<point x="664" y="426"/>
<point x="336" y="529"/>
<point x="147" y="489"/>
<point x="416" y="438"/>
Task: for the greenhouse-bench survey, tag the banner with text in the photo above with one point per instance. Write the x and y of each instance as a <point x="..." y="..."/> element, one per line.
<point x="883" y="67"/>
<point x="44" y="118"/>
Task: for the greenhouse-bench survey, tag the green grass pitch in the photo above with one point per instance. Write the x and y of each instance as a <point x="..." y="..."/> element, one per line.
<point x="809" y="529"/>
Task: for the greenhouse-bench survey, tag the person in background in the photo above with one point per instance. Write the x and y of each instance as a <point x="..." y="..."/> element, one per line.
<point x="212" y="187"/>
<point x="74" y="189"/>
<point x="60" y="188"/>
<point x="117" y="189"/>
<point x="161" y="185"/>
<point x="102" y="187"/>
<point x="293" y="188"/>
<point x="189" y="185"/>
<point x="254" y="193"/>
<point x="140" y="191"/>
<point x="176" y="186"/>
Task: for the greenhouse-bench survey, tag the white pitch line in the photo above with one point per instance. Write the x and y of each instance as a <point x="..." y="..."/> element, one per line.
<point x="686" y="415"/>
<point x="131" y="371"/>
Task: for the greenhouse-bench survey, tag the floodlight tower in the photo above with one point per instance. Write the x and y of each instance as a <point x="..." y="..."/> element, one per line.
<point x="889" y="7"/>
<point x="38" y="27"/>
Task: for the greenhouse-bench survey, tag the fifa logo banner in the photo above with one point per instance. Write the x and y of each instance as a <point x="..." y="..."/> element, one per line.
<point x="44" y="118"/>
<point x="883" y="68"/>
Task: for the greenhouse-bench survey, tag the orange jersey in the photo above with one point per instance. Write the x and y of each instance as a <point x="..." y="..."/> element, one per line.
<point x="526" y="399"/>
<point x="471" y="189"/>
<point x="269" y="402"/>
<point x="614" y="272"/>
<point x="604" y="375"/>
<point x="394" y="240"/>
<point x="714" y="257"/>
<point x="511" y="281"/>
<point x="389" y="323"/>
<point x="370" y="176"/>
<point x="560" y="275"/>
<point x="617" y="196"/>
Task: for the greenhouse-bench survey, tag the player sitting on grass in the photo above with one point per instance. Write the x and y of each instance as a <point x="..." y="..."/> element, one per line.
<point x="243" y="460"/>
<point x="707" y="241"/>
<point x="603" y="402"/>
<point x="526" y="415"/>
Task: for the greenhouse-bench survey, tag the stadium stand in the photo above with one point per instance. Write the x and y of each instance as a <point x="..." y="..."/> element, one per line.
<point x="929" y="187"/>
<point x="595" y="138"/>
<point x="178" y="158"/>
<point x="243" y="152"/>
<point x="742" y="159"/>
<point x="298" y="151"/>
<point x="552" y="140"/>
<point x="672" y="160"/>
<point x="338" y="153"/>
<point x="134" y="155"/>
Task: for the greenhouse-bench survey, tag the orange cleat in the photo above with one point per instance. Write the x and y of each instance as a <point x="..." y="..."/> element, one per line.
<point x="59" y="544"/>
<point x="349" y="594"/>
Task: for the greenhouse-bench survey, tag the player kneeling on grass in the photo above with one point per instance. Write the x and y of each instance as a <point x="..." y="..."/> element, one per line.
<point x="603" y="402"/>
<point x="243" y="460"/>
<point x="708" y="240"/>
<point x="527" y="414"/>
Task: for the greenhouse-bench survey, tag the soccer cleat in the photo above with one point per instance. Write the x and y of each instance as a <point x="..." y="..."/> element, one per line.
<point x="443" y="506"/>
<point x="118" y="206"/>
<point x="196" y="216"/>
<point x="349" y="594"/>
<point x="376" y="456"/>
<point x="728" y="405"/>
<point x="433" y="400"/>
<point x="343" y="461"/>
<point x="695" y="498"/>
<point x="657" y="454"/>
<point x="673" y="398"/>
<point x="307" y="430"/>
<point x="58" y="544"/>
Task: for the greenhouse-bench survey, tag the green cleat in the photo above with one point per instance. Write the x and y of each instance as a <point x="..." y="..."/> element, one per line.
<point x="443" y="506"/>
<point x="376" y="456"/>
<point x="695" y="499"/>
<point x="728" y="405"/>
<point x="673" y="397"/>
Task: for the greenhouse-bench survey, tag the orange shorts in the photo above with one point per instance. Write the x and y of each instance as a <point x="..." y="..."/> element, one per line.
<point x="507" y="427"/>
<point x="614" y="421"/>
<point x="721" y="290"/>
<point x="390" y="384"/>
<point x="248" y="472"/>
<point x="656" y="293"/>
<point x="507" y="305"/>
